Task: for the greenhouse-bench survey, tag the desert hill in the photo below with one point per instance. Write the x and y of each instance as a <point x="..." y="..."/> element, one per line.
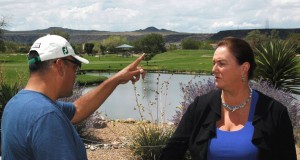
<point x="81" y="36"/>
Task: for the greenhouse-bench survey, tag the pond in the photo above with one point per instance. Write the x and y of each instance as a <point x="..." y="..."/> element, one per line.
<point x="157" y="93"/>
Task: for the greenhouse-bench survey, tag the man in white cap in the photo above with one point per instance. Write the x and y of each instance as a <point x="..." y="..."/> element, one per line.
<point x="37" y="126"/>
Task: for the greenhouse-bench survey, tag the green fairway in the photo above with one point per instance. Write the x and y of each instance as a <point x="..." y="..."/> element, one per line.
<point x="199" y="61"/>
<point x="173" y="61"/>
<point x="14" y="67"/>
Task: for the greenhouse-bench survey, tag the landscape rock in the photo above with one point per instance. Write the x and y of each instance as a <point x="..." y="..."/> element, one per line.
<point x="100" y="124"/>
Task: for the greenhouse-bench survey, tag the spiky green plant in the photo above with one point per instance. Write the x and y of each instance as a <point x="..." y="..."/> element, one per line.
<point x="147" y="140"/>
<point x="6" y="93"/>
<point x="277" y="64"/>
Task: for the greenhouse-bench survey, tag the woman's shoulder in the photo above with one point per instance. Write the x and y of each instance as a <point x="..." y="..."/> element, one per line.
<point x="268" y="101"/>
<point x="210" y="96"/>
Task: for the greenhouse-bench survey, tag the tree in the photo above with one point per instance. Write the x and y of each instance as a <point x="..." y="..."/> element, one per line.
<point x="88" y="48"/>
<point x="171" y="47"/>
<point x="274" y="35"/>
<point x="255" y="38"/>
<point x="14" y="47"/>
<point x="206" y="45"/>
<point x="295" y="39"/>
<point x="3" y="23"/>
<point x="190" y="44"/>
<point x="277" y="63"/>
<point x="151" y="43"/>
<point x="2" y="46"/>
<point x="112" y="42"/>
<point x="61" y="33"/>
<point x="76" y="48"/>
<point x="102" y="49"/>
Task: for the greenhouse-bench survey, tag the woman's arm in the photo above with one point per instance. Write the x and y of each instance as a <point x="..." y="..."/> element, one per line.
<point x="179" y="142"/>
<point x="286" y="137"/>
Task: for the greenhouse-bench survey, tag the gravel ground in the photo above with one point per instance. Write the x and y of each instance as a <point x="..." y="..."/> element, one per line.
<point x="116" y="132"/>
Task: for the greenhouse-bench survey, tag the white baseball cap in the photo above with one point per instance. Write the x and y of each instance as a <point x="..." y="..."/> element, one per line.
<point x="54" y="46"/>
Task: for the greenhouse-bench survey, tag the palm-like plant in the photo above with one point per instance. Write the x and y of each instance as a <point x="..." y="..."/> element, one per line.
<point x="6" y="93"/>
<point x="277" y="63"/>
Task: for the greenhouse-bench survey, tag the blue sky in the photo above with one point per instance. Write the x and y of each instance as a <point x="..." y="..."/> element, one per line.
<point x="192" y="16"/>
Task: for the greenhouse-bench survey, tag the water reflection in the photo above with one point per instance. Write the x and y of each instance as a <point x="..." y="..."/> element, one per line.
<point x="158" y="95"/>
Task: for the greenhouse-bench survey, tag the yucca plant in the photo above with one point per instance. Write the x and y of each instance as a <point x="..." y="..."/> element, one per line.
<point x="6" y="93"/>
<point x="277" y="64"/>
<point x="147" y="140"/>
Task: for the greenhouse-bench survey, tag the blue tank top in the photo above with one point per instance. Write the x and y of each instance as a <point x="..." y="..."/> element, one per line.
<point x="235" y="145"/>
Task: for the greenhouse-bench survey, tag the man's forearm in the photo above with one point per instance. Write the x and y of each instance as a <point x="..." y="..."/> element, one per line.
<point x="92" y="100"/>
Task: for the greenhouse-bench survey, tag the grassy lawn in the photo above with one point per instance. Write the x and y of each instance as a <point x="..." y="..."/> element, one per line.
<point x="191" y="61"/>
<point x="179" y="60"/>
<point x="15" y="66"/>
<point x="199" y="61"/>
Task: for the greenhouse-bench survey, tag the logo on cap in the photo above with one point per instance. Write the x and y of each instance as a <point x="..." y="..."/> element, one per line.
<point x="36" y="45"/>
<point x="65" y="50"/>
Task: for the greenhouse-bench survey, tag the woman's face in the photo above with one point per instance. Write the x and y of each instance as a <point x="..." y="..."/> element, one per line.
<point x="228" y="73"/>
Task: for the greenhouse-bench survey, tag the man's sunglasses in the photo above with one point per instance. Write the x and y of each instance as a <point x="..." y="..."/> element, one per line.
<point x="76" y="63"/>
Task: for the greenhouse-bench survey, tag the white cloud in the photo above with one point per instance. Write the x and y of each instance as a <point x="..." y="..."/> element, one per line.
<point x="127" y="15"/>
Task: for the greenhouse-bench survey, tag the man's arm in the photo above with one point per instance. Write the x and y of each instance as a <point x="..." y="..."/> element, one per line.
<point x="90" y="102"/>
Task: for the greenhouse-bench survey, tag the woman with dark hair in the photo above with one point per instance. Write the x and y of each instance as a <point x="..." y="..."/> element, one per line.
<point x="233" y="122"/>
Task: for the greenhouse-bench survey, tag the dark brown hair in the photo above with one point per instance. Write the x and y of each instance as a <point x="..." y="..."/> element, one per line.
<point x="241" y="50"/>
<point x="37" y="66"/>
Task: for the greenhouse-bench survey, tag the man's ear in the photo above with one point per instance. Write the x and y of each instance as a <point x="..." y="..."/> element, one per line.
<point x="59" y="67"/>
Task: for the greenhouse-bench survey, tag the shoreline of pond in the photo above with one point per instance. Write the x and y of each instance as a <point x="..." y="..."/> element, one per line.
<point x="86" y="82"/>
<point x="151" y="71"/>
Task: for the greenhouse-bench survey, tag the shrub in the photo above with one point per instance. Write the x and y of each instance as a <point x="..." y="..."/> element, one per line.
<point x="297" y="136"/>
<point x="77" y="92"/>
<point x="277" y="63"/>
<point x="190" y="92"/>
<point x="83" y="128"/>
<point x="6" y="93"/>
<point x="88" y="48"/>
<point x="190" y="44"/>
<point x="2" y="75"/>
<point x="147" y="140"/>
<point x="159" y="101"/>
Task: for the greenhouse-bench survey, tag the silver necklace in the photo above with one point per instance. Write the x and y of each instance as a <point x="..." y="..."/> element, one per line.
<point x="233" y="108"/>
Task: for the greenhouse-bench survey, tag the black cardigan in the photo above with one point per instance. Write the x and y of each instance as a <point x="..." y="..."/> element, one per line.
<point x="273" y="131"/>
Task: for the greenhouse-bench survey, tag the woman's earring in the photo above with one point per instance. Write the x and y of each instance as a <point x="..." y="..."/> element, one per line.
<point x="243" y="78"/>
